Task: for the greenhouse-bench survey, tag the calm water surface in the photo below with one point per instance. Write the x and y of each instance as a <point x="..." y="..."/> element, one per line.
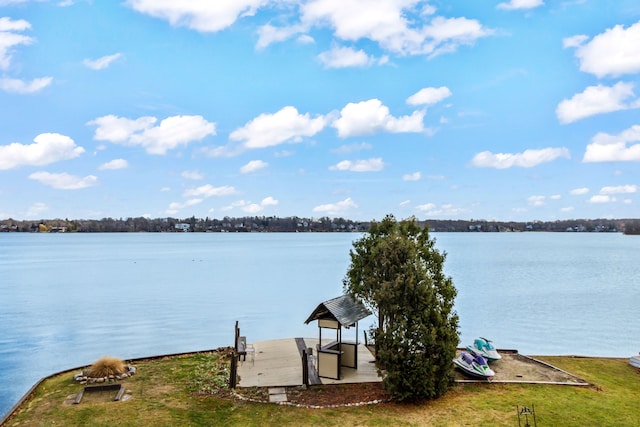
<point x="68" y="299"/>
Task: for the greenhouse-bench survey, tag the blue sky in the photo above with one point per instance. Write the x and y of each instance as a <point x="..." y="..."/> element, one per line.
<point x="497" y="110"/>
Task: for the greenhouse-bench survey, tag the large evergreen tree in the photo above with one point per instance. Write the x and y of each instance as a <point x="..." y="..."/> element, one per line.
<point x="398" y="273"/>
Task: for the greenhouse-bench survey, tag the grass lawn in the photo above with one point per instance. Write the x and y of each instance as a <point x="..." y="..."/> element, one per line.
<point x="186" y="391"/>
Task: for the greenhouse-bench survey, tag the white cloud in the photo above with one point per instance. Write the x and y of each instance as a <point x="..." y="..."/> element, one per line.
<point x="218" y="151"/>
<point x="432" y="210"/>
<point x="10" y="38"/>
<point x="114" y="164"/>
<point x="621" y="189"/>
<point x="536" y="200"/>
<point x="427" y="207"/>
<point x="269" y="201"/>
<point x="612" y="53"/>
<point x="20" y="86"/>
<point x="520" y="4"/>
<point x="350" y="148"/>
<point x="345" y="57"/>
<point x="429" y="96"/>
<point x="555" y="197"/>
<point x="283" y="153"/>
<point x="199" y="15"/>
<point x="416" y="176"/>
<point x="286" y="125"/>
<point x="389" y="24"/>
<point x="526" y="159"/>
<point x="395" y="26"/>
<point x="445" y="35"/>
<point x="64" y="181"/>
<point x="101" y="63"/>
<point x="192" y="175"/>
<point x="252" y="208"/>
<point x="596" y="100"/>
<point x="339" y="208"/>
<point x="579" y="191"/>
<point x="574" y="41"/>
<point x="614" y="148"/>
<point x="209" y="190"/>
<point x="370" y="165"/>
<point x="369" y="117"/>
<point x="236" y="204"/>
<point x="7" y="24"/>
<point x="567" y="209"/>
<point x="268" y="34"/>
<point x="176" y="207"/>
<point x="171" y="133"/>
<point x="253" y="166"/>
<point x="48" y="148"/>
<point x="601" y="198"/>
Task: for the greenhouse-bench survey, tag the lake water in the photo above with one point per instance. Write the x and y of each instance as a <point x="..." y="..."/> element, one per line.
<point x="68" y="299"/>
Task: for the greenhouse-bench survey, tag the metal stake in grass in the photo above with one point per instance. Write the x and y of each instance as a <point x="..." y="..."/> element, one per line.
<point x="526" y="411"/>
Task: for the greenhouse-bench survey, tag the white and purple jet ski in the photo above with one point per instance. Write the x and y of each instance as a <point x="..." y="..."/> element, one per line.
<point x="473" y="365"/>
<point x="483" y="347"/>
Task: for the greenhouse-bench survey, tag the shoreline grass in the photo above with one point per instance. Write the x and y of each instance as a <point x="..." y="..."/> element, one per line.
<point x="186" y="390"/>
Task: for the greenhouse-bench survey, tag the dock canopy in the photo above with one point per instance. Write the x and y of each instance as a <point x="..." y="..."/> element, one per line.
<point x="335" y="314"/>
<point x="343" y="309"/>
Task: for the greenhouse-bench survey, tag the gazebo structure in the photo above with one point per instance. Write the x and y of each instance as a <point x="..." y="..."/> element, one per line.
<point x="337" y="313"/>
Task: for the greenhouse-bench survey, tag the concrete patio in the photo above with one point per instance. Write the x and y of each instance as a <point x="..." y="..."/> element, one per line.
<point x="278" y="363"/>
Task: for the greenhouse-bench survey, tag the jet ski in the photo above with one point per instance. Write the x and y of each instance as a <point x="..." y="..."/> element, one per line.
<point x="483" y="347"/>
<point x="473" y="365"/>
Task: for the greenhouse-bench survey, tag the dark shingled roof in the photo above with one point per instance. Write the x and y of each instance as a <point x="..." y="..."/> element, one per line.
<point x="344" y="309"/>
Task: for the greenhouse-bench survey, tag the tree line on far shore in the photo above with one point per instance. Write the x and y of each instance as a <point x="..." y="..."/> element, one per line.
<point x="300" y="224"/>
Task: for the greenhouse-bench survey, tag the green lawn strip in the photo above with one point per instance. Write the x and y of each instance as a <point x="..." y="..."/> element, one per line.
<point x="187" y="390"/>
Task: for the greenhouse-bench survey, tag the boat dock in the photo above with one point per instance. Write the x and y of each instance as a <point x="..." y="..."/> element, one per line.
<point x="278" y="363"/>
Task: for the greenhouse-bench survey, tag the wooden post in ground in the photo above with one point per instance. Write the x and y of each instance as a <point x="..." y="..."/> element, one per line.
<point x="233" y="374"/>
<point x="305" y="368"/>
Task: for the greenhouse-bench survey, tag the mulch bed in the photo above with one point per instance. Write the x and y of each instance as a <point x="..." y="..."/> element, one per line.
<point x="337" y="394"/>
<point x="321" y="395"/>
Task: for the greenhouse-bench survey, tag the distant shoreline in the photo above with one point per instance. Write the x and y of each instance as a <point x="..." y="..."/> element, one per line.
<point x="298" y="224"/>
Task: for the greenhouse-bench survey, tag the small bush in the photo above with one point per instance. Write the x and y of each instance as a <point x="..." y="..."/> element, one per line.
<point x="106" y="366"/>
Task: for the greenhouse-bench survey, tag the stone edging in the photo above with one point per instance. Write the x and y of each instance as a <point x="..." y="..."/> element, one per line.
<point x="300" y="405"/>
<point x="84" y="379"/>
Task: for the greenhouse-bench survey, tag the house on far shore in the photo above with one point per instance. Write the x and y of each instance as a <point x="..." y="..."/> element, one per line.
<point x="183" y="226"/>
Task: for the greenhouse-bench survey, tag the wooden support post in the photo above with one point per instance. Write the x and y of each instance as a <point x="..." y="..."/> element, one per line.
<point x="305" y="368"/>
<point x="233" y="374"/>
